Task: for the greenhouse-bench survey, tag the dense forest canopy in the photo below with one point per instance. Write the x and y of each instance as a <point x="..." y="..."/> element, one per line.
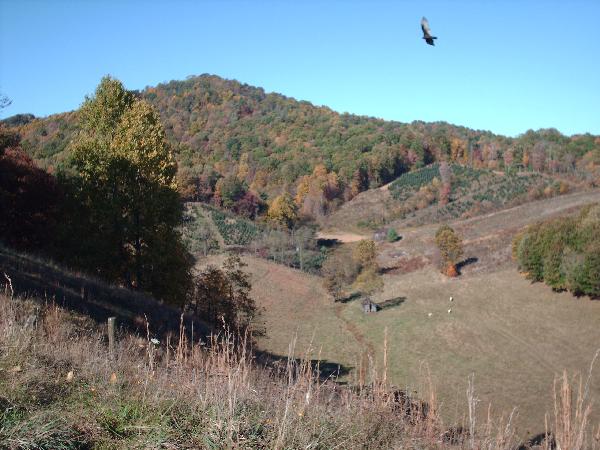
<point x="268" y="142"/>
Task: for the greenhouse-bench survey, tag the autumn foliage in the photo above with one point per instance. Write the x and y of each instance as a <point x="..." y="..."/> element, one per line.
<point x="451" y="249"/>
<point x="283" y="211"/>
<point x="30" y="198"/>
<point x="221" y="128"/>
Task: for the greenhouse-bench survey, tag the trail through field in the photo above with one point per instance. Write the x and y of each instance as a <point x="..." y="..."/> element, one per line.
<point x="488" y="237"/>
<point x="354" y="331"/>
<point x="522" y="215"/>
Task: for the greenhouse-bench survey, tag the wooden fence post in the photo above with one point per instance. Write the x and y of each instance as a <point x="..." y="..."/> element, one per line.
<point x="111" y="337"/>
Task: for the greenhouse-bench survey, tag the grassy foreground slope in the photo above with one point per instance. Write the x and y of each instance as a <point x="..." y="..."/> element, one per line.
<point x="60" y="389"/>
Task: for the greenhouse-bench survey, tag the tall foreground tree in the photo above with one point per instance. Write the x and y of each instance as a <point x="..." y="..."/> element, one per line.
<point x="125" y="181"/>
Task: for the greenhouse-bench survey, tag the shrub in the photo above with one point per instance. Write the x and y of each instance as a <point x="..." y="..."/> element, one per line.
<point x="392" y="235"/>
<point x="364" y="253"/>
<point x="582" y="272"/>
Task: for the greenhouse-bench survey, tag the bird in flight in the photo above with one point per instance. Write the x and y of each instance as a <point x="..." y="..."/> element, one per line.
<point x="427" y="32"/>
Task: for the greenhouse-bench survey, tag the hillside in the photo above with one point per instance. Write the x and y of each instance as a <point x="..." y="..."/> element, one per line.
<point x="514" y="335"/>
<point x="414" y="199"/>
<point x="269" y="141"/>
<point x="46" y="281"/>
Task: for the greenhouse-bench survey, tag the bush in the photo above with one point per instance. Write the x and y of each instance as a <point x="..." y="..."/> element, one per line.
<point x="392" y="235"/>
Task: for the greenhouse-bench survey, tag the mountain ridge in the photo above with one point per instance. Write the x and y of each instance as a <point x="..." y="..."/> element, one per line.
<point x="269" y="140"/>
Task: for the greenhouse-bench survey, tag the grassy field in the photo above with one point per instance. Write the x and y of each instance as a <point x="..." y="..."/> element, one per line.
<point x="298" y="312"/>
<point x="514" y="336"/>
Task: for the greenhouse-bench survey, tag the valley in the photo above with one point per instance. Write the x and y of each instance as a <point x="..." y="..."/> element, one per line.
<point x="516" y="336"/>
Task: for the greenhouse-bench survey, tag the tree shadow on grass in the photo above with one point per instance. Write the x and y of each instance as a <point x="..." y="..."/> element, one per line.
<point x="328" y="243"/>
<point x="44" y="282"/>
<point x="348" y="298"/>
<point x="391" y="303"/>
<point x="323" y="368"/>
<point x="466" y="262"/>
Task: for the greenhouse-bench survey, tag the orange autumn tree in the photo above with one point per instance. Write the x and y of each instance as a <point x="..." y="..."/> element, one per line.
<point x="451" y="249"/>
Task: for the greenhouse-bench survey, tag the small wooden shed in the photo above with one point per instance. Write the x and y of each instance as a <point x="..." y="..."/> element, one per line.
<point x="369" y="306"/>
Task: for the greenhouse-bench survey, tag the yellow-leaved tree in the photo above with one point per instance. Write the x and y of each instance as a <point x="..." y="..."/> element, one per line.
<point x="125" y="184"/>
<point x="451" y="249"/>
<point x="283" y="211"/>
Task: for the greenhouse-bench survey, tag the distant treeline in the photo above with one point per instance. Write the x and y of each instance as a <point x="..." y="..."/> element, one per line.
<point x="266" y="143"/>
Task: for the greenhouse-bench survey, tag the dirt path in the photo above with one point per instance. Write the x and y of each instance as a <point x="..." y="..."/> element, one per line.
<point x="354" y="331"/>
<point x="531" y="212"/>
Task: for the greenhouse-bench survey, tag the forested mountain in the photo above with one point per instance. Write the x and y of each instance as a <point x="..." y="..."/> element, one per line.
<point x="265" y="142"/>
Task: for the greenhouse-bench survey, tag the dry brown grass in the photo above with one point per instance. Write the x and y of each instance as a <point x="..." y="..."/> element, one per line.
<point x="572" y="409"/>
<point x="59" y="389"/>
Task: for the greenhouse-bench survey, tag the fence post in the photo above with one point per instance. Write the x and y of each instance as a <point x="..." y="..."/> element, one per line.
<point x="111" y="337"/>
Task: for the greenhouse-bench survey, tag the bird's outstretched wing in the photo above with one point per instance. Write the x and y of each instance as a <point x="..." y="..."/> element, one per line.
<point x="425" y="27"/>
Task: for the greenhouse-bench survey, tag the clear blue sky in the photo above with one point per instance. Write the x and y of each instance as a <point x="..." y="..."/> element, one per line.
<point x="505" y="66"/>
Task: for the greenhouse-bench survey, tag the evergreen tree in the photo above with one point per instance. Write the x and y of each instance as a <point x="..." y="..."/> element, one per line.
<point x="392" y="235"/>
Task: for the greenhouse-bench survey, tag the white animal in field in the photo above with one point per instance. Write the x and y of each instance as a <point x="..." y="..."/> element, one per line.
<point x="451" y="299"/>
<point x="430" y="314"/>
<point x="450" y="310"/>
